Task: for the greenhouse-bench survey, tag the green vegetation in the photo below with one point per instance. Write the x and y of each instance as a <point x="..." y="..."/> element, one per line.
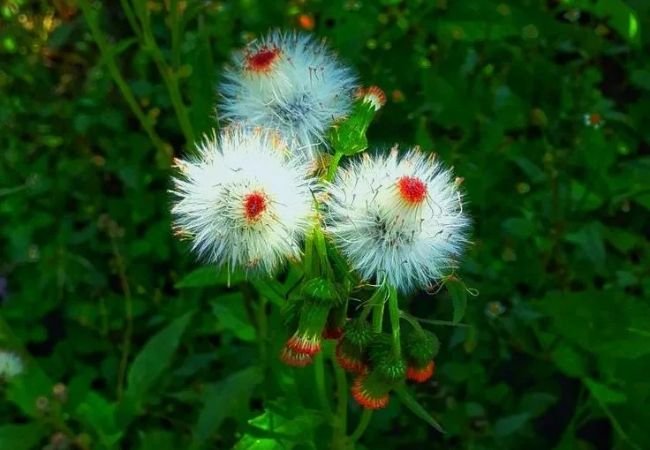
<point x="129" y="343"/>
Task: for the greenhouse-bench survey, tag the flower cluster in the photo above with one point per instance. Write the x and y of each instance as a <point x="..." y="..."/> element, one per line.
<point x="267" y="190"/>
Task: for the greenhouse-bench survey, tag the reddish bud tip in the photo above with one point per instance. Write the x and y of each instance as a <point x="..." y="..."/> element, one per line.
<point x="304" y="345"/>
<point x="333" y="333"/>
<point x="365" y="397"/>
<point x="291" y="358"/>
<point x="348" y="362"/>
<point x="421" y="374"/>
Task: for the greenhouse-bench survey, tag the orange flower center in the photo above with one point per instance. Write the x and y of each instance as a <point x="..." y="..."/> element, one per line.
<point x="262" y="60"/>
<point x="412" y="190"/>
<point x="254" y="205"/>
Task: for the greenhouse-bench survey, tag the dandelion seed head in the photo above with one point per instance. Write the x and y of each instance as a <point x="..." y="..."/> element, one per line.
<point x="397" y="219"/>
<point x="243" y="201"/>
<point x="289" y="82"/>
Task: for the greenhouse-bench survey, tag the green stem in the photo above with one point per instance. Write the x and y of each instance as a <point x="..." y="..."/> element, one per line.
<point x="366" y="415"/>
<point x="319" y="378"/>
<point x="378" y="314"/>
<point x="262" y="329"/>
<point x="109" y="59"/>
<point x="394" y="313"/>
<point x="342" y="397"/>
<point x="334" y="164"/>
<point x="168" y="74"/>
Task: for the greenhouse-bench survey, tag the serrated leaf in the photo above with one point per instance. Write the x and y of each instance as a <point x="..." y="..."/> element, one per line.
<point x="458" y="293"/>
<point x="407" y="400"/>
<point x="222" y="399"/>
<point x="154" y="358"/>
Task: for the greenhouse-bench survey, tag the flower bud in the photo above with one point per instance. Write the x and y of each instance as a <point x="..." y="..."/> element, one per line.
<point x="336" y="322"/>
<point x="420" y="348"/>
<point x="60" y="392"/>
<point x="307" y="338"/>
<point x="370" y="391"/>
<point x="350" y="351"/>
<point x="390" y="367"/>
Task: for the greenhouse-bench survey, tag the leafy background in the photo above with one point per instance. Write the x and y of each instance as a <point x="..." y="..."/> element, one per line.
<point x="156" y="352"/>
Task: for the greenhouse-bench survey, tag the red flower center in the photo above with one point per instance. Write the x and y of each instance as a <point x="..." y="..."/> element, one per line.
<point x="412" y="189"/>
<point x="262" y="60"/>
<point x="254" y="205"/>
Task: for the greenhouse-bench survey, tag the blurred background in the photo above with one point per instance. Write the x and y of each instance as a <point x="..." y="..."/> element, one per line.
<point x="541" y="106"/>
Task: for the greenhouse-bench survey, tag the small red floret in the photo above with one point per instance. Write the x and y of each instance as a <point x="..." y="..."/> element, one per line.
<point x="348" y="362"/>
<point x="262" y="60"/>
<point x="303" y="345"/>
<point x="291" y="358"/>
<point x="412" y="189"/>
<point x="332" y="333"/>
<point x="364" y="398"/>
<point x="421" y="374"/>
<point x="254" y="205"/>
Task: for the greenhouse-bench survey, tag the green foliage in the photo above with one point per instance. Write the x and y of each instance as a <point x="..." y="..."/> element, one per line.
<point x="541" y="106"/>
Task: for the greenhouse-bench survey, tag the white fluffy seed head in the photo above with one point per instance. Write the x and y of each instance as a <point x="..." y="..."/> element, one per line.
<point x="398" y="219"/>
<point x="289" y="82"/>
<point x="243" y="200"/>
<point x="10" y="365"/>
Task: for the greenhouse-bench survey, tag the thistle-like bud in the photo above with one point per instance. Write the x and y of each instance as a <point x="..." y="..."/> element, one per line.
<point x="336" y="322"/>
<point x="371" y="391"/>
<point x="420" y="349"/>
<point x="385" y="362"/>
<point x="307" y="338"/>
<point x="350" y="351"/>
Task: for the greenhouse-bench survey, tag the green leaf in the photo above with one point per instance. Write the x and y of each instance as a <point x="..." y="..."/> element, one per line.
<point x="24" y="389"/>
<point x="349" y="136"/>
<point x="569" y="360"/>
<point x="222" y="399"/>
<point x="154" y="358"/>
<point x="99" y="415"/>
<point x="210" y="276"/>
<point x="603" y="393"/>
<point x="458" y="293"/>
<point x="281" y="427"/>
<point x="601" y="323"/>
<point x="618" y="14"/>
<point x="231" y="313"/>
<point x="508" y="425"/>
<point x="21" y="437"/>
<point x="417" y="409"/>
